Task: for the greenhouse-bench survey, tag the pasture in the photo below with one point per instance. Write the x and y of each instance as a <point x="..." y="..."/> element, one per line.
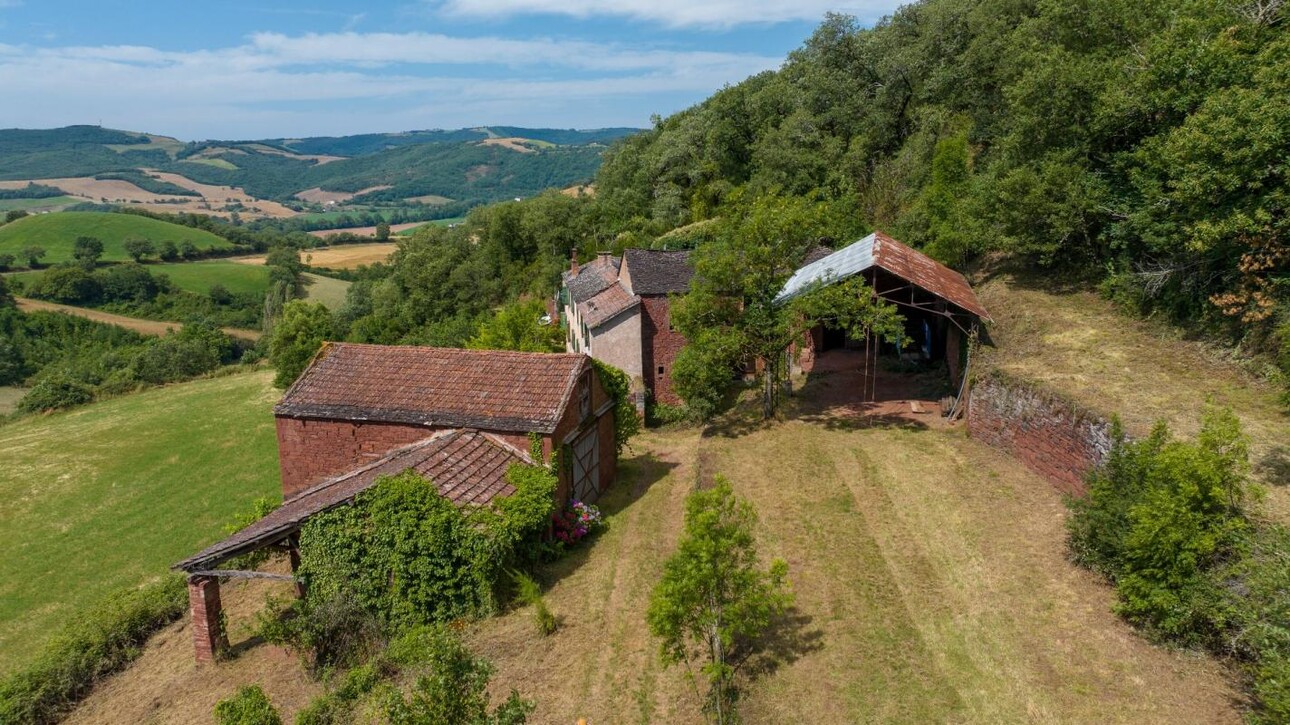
<point x="109" y="495"/>
<point x="37" y="205"/>
<point x="199" y="277"/>
<point x="57" y="234"/>
<point x="327" y="290"/>
<point x="344" y="256"/>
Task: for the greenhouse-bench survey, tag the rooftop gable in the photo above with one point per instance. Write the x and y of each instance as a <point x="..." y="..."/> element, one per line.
<point x="659" y="272"/>
<point x="436" y="386"/>
<point x="880" y="250"/>
<point x="466" y="466"/>
<point x="592" y="278"/>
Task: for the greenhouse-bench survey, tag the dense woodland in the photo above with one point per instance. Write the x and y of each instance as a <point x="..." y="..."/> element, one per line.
<point x="1139" y="146"/>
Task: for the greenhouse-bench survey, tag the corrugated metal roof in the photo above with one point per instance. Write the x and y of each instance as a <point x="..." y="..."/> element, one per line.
<point x="880" y="250"/>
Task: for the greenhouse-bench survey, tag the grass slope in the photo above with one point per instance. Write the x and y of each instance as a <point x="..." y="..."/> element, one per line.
<point x="327" y="290"/>
<point x="1076" y="344"/>
<point x="199" y="277"/>
<point x="52" y="202"/>
<point x="57" y="233"/>
<point x="110" y="495"/>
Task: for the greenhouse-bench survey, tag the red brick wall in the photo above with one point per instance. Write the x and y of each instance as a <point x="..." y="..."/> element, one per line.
<point x="1051" y="437"/>
<point x="310" y="451"/>
<point x="204" y="604"/>
<point x="661" y="345"/>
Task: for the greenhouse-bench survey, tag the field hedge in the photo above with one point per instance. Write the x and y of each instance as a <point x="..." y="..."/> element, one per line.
<point x="91" y="646"/>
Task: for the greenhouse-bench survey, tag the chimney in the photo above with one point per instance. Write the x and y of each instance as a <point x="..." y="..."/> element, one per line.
<point x="604" y="256"/>
<point x="573" y="262"/>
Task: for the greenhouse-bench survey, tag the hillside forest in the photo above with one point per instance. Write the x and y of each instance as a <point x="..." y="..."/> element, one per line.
<point x="1140" y="147"/>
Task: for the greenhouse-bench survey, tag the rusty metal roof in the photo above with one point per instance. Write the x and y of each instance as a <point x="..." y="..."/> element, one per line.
<point x="466" y="466"/>
<point x="436" y="386"/>
<point x="880" y="250"/>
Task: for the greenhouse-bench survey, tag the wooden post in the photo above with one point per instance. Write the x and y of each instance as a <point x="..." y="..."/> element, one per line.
<point x="293" y="553"/>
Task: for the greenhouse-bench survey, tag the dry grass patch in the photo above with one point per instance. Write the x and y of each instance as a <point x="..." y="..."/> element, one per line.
<point x="1076" y="344"/>
<point x="346" y="256"/>
<point x="165" y="684"/>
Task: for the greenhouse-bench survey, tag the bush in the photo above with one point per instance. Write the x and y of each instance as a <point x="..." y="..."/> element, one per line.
<point x="331" y="631"/>
<point x="91" y="646"/>
<point x="68" y="285"/>
<point x="456" y="690"/>
<point x="55" y="392"/>
<point x="250" y="706"/>
<point x="127" y="283"/>
<point x="529" y="592"/>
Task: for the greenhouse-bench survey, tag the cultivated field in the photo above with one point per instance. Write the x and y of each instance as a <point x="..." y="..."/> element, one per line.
<point x="109" y="495"/>
<point x="347" y="256"/>
<point x="366" y="231"/>
<point x="57" y="234"/>
<point x="327" y="290"/>
<point x="319" y="196"/>
<point x="1076" y="344"/>
<point x="212" y="198"/>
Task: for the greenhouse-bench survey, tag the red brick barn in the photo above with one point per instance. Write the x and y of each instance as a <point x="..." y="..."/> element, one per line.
<point x="461" y="418"/>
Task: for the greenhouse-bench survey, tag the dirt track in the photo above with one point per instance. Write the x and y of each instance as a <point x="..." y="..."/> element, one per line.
<point x="144" y="327"/>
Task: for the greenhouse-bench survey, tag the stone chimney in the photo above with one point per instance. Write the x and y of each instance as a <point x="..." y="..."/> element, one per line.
<point x="573" y="262"/>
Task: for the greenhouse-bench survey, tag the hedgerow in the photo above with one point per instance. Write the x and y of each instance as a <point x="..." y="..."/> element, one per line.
<point x="91" y="646"/>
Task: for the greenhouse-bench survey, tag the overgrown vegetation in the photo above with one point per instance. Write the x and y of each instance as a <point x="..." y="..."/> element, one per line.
<point x="249" y="706"/>
<point x="91" y="646"/>
<point x="715" y="601"/>
<point x="1167" y="521"/>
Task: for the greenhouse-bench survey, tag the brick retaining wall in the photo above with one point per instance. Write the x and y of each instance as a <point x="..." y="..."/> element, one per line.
<point x="1052" y="437"/>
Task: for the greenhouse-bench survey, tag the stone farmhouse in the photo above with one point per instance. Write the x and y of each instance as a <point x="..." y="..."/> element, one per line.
<point x="617" y="310"/>
<point x="460" y="418"/>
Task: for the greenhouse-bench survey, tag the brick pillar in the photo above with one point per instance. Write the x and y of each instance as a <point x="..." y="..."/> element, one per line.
<point x="204" y="604"/>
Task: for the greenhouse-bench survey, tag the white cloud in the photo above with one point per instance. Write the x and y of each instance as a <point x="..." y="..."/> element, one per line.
<point x="276" y="84"/>
<point x="676" y="13"/>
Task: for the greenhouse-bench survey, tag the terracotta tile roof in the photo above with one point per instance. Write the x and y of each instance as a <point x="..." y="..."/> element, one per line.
<point x="468" y="468"/>
<point x="657" y="272"/>
<point x="488" y="389"/>
<point x="612" y="301"/>
<point x="592" y="277"/>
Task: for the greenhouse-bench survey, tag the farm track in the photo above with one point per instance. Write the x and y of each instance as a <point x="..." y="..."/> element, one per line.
<point x="141" y="326"/>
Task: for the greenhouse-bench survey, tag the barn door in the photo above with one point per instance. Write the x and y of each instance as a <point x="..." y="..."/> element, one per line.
<point x="586" y="466"/>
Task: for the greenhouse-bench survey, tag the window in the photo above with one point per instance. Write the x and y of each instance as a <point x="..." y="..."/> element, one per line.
<point x="660" y="371"/>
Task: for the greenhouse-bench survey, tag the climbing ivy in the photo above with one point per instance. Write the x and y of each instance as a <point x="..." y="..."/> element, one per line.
<point x="409" y="556"/>
<point x="619" y="387"/>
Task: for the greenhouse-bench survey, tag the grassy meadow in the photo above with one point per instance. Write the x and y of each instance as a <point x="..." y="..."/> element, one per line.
<point x="52" y="202"/>
<point x="199" y="277"/>
<point x="111" y="494"/>
<point x="57" y="234"/>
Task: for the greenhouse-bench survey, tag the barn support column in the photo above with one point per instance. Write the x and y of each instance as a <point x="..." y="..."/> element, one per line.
<point x="204" y="604"/>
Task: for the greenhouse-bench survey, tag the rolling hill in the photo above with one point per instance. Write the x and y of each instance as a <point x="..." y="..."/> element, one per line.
<point x="468" y="166"/>
<point x="57" y="234"/>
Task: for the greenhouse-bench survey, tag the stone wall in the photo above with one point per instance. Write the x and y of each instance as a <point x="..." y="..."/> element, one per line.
<point x="1052" y="437"/>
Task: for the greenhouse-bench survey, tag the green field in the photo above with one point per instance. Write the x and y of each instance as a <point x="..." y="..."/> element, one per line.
<point x="57" y="233"/>
<point x="110" y="495"/>
<point x="52" y="202"/>
<point x="327" y="290"/>
<point x="436" y="222"/>
<point x="199" y="277"/>
<point x="217" y="163"/>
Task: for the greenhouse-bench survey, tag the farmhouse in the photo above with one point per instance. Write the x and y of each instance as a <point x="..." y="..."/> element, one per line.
<point x="618" y="310"/>
<point x="940" y="309"/>
<point x="460" y="418"/>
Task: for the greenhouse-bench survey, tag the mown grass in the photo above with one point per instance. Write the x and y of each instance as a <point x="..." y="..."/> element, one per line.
<point x="57" y="234"/>
<point x="327" y="290"/>
<point x="110" y="495"/>
<point x="199" y="277"/>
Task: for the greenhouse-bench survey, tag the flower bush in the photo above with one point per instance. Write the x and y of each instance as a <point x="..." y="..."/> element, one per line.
<point x="576" y="522"/>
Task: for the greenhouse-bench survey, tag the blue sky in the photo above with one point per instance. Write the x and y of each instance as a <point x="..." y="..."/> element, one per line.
<point x="238" y="69"/>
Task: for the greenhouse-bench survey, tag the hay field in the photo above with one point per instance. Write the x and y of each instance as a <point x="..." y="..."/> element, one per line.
<point x="366" y="231"/>
<point x="317" y="195"/>
<point x="110" y="494"/>
<point x="345" y="256"/>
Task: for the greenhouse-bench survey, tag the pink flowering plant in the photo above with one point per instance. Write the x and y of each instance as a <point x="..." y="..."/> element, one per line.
<point x="578" y="521"/>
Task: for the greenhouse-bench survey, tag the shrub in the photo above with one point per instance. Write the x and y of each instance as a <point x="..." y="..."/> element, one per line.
<point x="337" y="707"/>
<point x="528" y="591"/>
<point x="55" y="392"/>
<point x="331" y="631"/>
<point x="456" y="689"/>
<point x="127" y="283"/>
<point x="618" y="386"/>
<point x="69" y="285"/>
<point x="91" y="646"/>
<point x="6" y="261"/>
<point x="578" y="521"/>
<point x="1159" y="516"/>
<point x="250" y="706"/>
